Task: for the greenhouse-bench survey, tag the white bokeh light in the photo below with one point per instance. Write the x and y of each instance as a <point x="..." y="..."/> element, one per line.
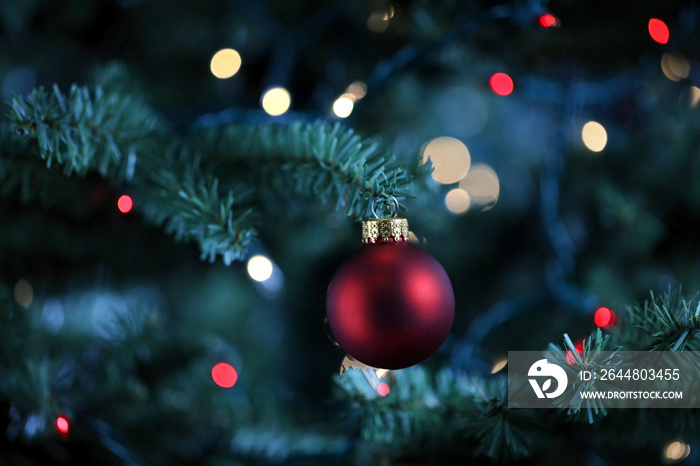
<point x="276" y="101"/>
<point x="450" y="159"/>
<point x="260" y="268"/>
<point x="225" y="63"/>
<point x="594" y="136"/>
<point x="343" y="105"/>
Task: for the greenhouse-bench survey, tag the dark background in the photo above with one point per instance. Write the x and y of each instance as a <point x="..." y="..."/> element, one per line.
<point x="572" y="230"/>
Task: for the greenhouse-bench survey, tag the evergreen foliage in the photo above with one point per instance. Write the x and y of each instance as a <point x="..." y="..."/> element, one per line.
<point x="120" y="328"/>
<point x="119" y="137"/>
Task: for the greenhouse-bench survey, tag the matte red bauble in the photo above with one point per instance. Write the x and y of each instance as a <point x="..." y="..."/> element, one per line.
<point x="391" y="304"/>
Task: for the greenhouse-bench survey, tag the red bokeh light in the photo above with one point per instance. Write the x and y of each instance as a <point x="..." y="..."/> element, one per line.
<point x="658" y="30"/>
<point x="570" y="356"/>
<point x="547" y="20"/>
<point x="604" y="317"/>
<point x="125" y="204"/>
<point x="62" y="425"/>
<point x="224" y="375"/>
<point x="383" y="389"/>
<point x="501" y="84"/>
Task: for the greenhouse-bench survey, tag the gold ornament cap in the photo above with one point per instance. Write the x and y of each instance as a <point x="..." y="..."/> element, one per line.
<point x="384" y="230"/>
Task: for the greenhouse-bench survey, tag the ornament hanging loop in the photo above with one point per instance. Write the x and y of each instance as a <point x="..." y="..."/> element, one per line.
<point x="385" y="229"/>
<point x="389" y="201"/>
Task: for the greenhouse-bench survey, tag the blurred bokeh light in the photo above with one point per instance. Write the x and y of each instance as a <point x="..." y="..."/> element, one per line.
<point x="450" y="159"/>
<point x="225" y="63"/>
<point x="482" y="185"/>
<point x="457" y="201"/>
<point x="594" y="136"/>
<point x="260" y="268"/>
<point x="276" y="101"/>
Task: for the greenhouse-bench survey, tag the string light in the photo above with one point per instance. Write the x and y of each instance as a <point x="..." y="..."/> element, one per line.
<point x="343" y="105"/>
<point x="675" y="67"/>
<point x="676" y="451"/>
<point x="276" y="101"/>
<point x="457" y="201"/>
<point x="604" y="318"/>
<point x="482" y="185"/>
<point x="571" y="357"/>
<point x="23" y="293"/>
<point x="383" y="389"/>
<point x="372" y="374"/>
<point x="62" y="425"/>
<point x="594" y="136"/>
<point x="125" y="204"/>
<point x="450" y="159"/>
<point x="260" y="268"/>
<point x="658" y="30"/>
<point x="501" y="84"/>
<point x="358" y="89"/>
<point x="378" y="21"/>
<point x="548" y="20"/>
<point x="225" y="63"/>
<point x="691" y="95"/>
<point x="224" y="375"/>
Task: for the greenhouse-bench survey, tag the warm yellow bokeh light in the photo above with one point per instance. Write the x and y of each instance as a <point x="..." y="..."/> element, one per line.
<point x="675" y="67"/>
<point x="677" y="451"/>
<point x="276" y="101"/>
<point x="225" y="63"/>
<point x="260" y="268"/>
<point x="450" y="159"/>
<point x="594" y="136"/>
<point x="457" y="201"/>
<point x="482" y="185"/>
<point x="378" y="21"/>
<point x="499" y="365"/>
<point x="23" y="293"/>
<point x="358" y="89"/>
<point x="343" y="105"/>
<point x="693" y="96"/>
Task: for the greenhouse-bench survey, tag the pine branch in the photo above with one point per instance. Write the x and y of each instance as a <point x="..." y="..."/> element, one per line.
<point x="178" y="193"/>
<point x="662" y="323"/>
<point x="30" y="180"/>
<point x="329" y="162"/>
<point x="423" y="412"/>
<point x="121" y="138"/>
<point x="118" y="350"/>
<point x="84" y="131"/>
<point x="482" y="414"/>
<point x="589" y="358"/>
<point x="409" y="420"/>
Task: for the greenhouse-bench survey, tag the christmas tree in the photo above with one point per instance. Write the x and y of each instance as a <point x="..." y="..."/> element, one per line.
<point x="181" y="180"/>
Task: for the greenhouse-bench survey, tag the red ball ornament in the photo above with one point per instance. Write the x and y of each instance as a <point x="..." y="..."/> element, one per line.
<point x="391" y="304"/>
